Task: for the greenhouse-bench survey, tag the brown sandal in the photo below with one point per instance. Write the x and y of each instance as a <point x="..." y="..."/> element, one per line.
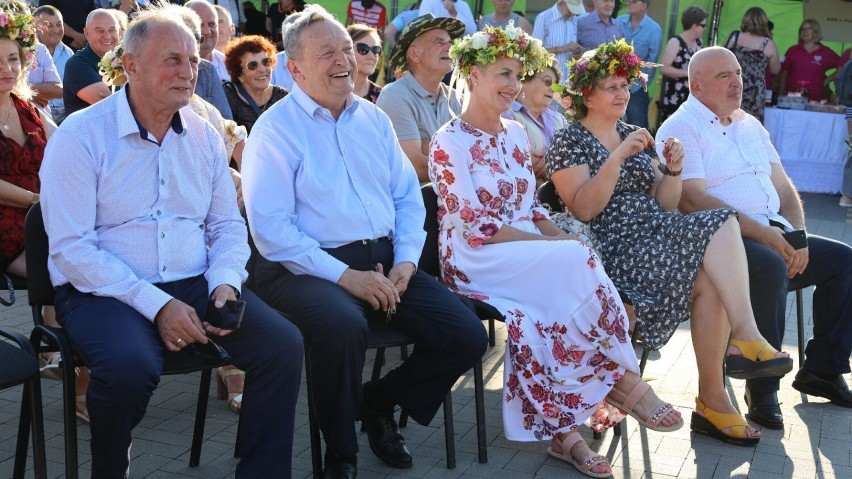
<point x="640" y="389"/>
<point x="561" y="449"/>
<point x="235" y="399"/>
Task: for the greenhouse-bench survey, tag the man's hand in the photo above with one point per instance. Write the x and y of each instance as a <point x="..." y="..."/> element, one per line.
<point x="371" y="286"/>
<point x="222" y="293"/>
<point x="400" y="274"/>
<point x="179" y="326"/>
<point x="796" y="260"/>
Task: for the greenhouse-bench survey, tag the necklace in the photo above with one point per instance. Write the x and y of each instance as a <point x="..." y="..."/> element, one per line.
<point x="5" y="121"/>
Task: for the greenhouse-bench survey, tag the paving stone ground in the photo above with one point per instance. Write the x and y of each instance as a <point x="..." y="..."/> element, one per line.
<point x="816" y="442"/>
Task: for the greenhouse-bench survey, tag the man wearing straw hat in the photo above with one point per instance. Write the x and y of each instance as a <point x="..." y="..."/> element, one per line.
<point x="419" y="103"/>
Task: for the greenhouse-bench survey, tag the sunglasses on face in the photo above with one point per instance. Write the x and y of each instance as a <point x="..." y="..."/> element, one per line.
<point x="364" y="49"/>
<point x="252" y="65"/>
<point x="702" y="25"/>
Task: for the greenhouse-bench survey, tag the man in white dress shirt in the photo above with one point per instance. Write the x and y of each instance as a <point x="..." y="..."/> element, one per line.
<point x="731" y="163"/>
<point x="335" y="209"/>
<point x="144" y="231"/>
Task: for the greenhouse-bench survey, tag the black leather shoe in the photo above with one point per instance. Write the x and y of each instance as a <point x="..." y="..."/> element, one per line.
<point x="835" y="390"/>
<point x="763" y="409"/>
<point x="385" y="440"/>
<point x="337" y="469"/>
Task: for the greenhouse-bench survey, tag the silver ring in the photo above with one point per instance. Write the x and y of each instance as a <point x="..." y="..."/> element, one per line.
<point x="178" y="341"/>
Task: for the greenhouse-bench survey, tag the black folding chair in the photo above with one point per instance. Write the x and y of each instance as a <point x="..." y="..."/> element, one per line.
<point x="50" y="339"/>
<point x="20" y="366"/>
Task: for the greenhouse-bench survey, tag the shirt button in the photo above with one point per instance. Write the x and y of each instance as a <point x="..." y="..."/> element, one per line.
<point x="158" y="212"/>
<point x="162" y="235"/>
<point x="164" y="268"/>
<point x="162" y="181"/>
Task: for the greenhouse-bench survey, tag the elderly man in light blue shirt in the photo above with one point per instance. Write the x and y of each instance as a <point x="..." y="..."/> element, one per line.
<point x="145" y="236"/>
<point x="335" y="210"/>
<point x="50" y="30"/>
<point x="646" y="36"/>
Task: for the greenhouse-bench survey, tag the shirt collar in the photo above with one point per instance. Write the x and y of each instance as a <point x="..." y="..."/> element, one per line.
<point x="311" y="107"/>
<point x="704" y="114"/>
<point x="129" y="124"/>
<point x="598" y="17"/>
<point x="417" y="88"/>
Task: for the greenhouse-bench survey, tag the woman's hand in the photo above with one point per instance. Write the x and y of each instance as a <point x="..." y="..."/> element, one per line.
<point x="633" y="144"/>
<point x="673" y="154"/>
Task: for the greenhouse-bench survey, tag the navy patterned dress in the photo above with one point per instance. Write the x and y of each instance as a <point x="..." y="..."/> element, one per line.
<point x="651" y="255"/>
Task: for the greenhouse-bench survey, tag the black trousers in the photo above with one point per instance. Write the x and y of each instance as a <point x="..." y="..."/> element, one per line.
<point x="830" y="270"/>
<point x="126" y="357"/>
<point x="448" y="339"/>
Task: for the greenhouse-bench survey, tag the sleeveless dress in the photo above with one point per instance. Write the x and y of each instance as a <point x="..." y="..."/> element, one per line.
<point x="652" y="255"/>
<point x="567" y="329"/>
<point x="487" y="20"/>
<point x="676" y="90"/>
<point x="753" y="64"/>
<point x="19" y="165"/>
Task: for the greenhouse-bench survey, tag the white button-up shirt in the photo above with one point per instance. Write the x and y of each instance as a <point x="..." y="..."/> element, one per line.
<point x="734" y="160"/>
<point x="313" y="182"/>
<point x="123" y="212"/>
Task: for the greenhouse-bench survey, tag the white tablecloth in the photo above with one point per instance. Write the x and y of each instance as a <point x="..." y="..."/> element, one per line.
<point x="811" y="147"/>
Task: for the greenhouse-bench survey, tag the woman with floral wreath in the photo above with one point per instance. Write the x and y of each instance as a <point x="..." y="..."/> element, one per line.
<point x="673" y="267"/>
<point x="568" y="348"/>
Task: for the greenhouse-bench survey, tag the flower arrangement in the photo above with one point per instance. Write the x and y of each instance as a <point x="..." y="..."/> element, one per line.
<point x="609" y="59"/>
<point x="111" y="68"/>
<point x="490" y="43"/>
<point x="16" y="23"/>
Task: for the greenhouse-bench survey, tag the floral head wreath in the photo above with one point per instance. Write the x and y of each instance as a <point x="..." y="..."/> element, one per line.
<point x="111" y="68"/>
<point x="609" y="59"/>
<point x="490" y="43"/>
<point x="16" y="23"/>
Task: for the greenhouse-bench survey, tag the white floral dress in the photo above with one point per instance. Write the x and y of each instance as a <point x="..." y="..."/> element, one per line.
<point x="567" y="342"/>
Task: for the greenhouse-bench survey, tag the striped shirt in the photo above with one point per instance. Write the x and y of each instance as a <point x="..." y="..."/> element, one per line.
<point x="554" y="30"/>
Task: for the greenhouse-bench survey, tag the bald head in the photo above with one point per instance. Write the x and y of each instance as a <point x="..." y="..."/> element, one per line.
<point x="101" y="31"/>
<point x="209" y="25"/>
<point x="715" y="79"/>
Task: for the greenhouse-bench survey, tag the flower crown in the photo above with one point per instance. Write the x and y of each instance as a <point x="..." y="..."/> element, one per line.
<point x="609" y="59"/>
<point x="490" y="43"/>
<point x="16" y="24"/>
<point x="111" y="68"/>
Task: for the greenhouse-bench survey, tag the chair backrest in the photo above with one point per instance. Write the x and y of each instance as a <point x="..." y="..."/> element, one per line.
<point x="39" y="288"/>
<point x="549" y="197"/>
<point x="429" y="257"/>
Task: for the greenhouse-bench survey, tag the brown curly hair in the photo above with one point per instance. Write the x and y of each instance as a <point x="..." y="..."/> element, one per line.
<point x="247" y="44"/>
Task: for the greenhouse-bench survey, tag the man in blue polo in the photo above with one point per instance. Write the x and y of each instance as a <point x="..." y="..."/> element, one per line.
<point x="646" y="36"/>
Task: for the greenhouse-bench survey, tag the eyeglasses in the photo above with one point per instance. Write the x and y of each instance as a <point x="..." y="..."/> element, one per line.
<point x="252" y="65"/>
<point x="364" y="49"/>
<point x="703" y="25"/>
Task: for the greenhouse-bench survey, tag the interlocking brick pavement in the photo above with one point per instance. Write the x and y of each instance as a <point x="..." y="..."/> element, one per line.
<point x="816" y="442"/>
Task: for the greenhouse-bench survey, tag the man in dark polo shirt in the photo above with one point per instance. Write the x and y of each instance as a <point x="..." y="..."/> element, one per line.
<point x="83" y="85"/>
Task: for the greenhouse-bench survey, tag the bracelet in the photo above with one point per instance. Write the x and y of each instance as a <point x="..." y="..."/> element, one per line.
<point x="664" y="169"/>
<point x="35" y="199"/>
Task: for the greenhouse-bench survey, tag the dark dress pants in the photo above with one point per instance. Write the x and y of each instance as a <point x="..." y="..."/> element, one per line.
<point x="126" y="354"/>
<point x="448" y="339"/>
<point x="830" y="270"/>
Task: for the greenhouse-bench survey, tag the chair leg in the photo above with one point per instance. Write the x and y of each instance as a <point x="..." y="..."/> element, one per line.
<point x="377" y="364"/>
<point x="479" y="398"/>
<point x="449" y="431"/>
<point x="24" y="433"/>
<point x="37" y="422"/>
<point x="69" y="379"/>
<point x="200" y="417"/>
<point x="800" y="322"/>
<point x="492" y="335"/>
<point x="313" y="424"/>
<point x="643" y="361"/>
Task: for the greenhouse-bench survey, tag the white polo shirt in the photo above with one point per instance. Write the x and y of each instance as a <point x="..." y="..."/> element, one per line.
<point x="734" y="160"/>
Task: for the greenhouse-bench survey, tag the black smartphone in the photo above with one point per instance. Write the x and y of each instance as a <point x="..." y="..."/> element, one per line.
<point x="229" y="316"/>
<point x="798" y="239"/>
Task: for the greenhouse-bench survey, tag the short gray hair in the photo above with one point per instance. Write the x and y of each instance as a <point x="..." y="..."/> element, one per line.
<point x="291" y="32"/>
<point x="137" y="33"/>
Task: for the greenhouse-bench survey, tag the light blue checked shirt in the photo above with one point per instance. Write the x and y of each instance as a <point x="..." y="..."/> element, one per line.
<point x="646" y="40"/>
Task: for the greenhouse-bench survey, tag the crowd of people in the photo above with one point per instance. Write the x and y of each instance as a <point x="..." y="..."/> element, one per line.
<point x="144" y="144"/>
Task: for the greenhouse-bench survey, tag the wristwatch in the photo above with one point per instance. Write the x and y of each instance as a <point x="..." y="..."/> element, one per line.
<point x="664" y="169"/>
